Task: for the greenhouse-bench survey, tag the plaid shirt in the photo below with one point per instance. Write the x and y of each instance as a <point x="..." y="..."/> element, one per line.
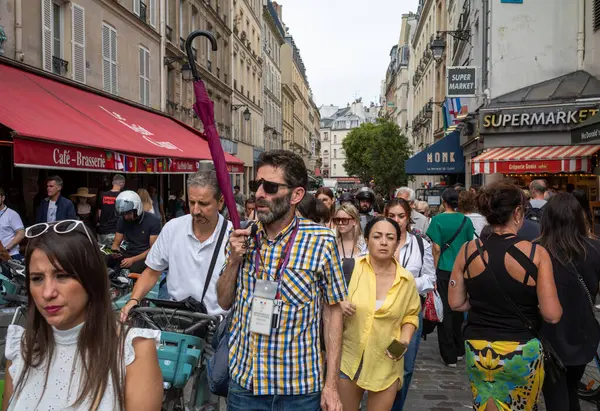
<point x="288" y="362"/>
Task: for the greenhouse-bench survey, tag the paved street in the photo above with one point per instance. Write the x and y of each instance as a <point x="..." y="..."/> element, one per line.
<point x="436" y="387"/>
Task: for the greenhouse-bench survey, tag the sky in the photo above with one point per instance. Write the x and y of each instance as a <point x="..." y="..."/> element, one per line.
<point x="345" y="44"/>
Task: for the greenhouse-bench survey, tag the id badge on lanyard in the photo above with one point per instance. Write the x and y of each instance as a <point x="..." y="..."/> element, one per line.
<point x="266" y="301"/>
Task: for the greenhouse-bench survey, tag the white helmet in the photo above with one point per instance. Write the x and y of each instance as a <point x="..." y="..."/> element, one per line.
<point x="129" y="201"/>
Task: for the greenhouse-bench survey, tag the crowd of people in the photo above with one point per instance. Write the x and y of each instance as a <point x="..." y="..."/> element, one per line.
<point x="325" y="293"/>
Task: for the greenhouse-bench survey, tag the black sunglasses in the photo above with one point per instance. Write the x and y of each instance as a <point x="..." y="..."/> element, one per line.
<point x="268" y="186"/>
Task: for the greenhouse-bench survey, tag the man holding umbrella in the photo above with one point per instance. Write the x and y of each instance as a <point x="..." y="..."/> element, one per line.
<point x="279" y="277"/>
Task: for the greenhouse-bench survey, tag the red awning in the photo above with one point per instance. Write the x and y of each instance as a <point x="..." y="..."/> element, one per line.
<point x="535" y="160"/>
<point x="58" y="125"/>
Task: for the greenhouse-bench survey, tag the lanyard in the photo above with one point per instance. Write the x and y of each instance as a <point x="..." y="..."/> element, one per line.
<point x="4" y="211"/>
<point x="283" y="261"/>
<point x="407" y="254"/>
<point x="344" y="251"/>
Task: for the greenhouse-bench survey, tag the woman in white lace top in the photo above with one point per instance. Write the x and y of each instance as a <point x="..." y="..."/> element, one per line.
<point x="73" y="354"/>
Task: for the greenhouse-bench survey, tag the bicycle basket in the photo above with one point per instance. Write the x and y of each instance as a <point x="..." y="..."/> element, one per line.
<point x="178" y="355"/>
<point x="6" y="287"/>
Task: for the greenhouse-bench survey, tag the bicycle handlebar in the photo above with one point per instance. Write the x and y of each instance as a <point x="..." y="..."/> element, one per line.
<point x="203" y="319"/>
<point x="13" y="298"/>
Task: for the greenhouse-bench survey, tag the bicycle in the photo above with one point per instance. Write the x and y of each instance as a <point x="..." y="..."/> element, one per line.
<point x="18" y="310"/>
<point x="184" y="350"/>
<point x="589" y="385"/>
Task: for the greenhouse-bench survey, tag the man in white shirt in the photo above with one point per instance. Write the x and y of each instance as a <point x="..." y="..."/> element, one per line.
<point x="420" y="222"/>
<point x="11" y="229"/>
<point x="187" y="246"/>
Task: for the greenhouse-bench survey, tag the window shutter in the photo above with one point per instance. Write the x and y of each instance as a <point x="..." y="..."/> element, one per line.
<point x="136" y="7"/>
<point x="596" y="15"/>
<point x="47" y="34"/>
<point x="113" y="67"/>
<point x="153" y="13"/>
<point x="147" y="80"/>
<point x="142" y="88"/>
<point x="78" y="61"/>
<point x="106" y="66"/>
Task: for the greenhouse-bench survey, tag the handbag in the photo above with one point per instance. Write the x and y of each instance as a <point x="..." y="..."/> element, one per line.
<point x="218" y="364"/>
<point x="434" y="308"/>
<point x="587" y="293"/>
<point x="553" y="366"/>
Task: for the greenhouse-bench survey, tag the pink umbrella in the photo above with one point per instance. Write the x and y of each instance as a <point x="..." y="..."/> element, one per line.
<point x="205" y="110"/>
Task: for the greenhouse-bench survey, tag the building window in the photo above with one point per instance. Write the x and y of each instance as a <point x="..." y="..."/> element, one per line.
<point x="596" y="15"/>
<point x="334" y="139"/>
<point x="57" y="34"/>
<point x="144" y="76"/>
<point x="334" y="153"/>
<point x="109" y="59"/>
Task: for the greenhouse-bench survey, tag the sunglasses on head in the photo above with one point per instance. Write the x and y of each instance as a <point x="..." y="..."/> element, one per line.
<point x="269" y="186"/>
<point x="341" y="221"/>
<point x="60" y="227"/>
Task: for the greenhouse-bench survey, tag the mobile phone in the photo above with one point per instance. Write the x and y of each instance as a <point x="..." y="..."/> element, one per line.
<point x="396" y="349"/>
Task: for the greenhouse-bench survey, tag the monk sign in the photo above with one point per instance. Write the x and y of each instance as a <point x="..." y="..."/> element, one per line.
<point x="461" y="82"/>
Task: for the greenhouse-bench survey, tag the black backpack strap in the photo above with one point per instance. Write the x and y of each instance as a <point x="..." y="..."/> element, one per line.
<point x="213" y="261"/>
<point x="421" y="247"/>
<point x="449" y="242"/>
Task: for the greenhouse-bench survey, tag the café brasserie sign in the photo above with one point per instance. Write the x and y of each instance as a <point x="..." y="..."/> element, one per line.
<point x="535" y="119"/>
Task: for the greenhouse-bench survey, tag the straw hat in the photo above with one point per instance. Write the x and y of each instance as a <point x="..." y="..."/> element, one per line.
<point x="82" y="192"/>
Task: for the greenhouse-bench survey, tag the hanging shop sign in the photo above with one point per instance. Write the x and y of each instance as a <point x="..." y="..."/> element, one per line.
<point x="535" y="119"/>
<point x="461" y="82"/>
<point x="41" y="154"/>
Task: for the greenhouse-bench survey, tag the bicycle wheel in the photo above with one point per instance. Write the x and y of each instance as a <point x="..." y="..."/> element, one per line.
<point x="589" y="386"/>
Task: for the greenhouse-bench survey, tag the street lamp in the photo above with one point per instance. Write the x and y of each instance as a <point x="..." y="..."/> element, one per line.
<point x="438" y="45"/>
<point x="186" y="72"/>
<point x="247" y="114"/>
<point x="429" y="111"/>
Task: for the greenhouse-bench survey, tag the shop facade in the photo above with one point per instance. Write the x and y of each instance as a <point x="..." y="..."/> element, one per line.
<point x="526" y="134"/>
<point x="49" y="126"/>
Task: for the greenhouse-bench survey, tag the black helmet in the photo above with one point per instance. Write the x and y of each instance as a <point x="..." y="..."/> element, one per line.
<point x="365" y="193"/>
<point x="346" y="198"/>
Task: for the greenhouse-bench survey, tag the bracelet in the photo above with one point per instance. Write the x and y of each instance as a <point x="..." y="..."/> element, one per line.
<point x="135" y="299"/>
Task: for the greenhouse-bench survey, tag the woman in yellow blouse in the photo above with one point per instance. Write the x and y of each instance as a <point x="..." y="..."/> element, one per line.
<point x="382" y="308"/>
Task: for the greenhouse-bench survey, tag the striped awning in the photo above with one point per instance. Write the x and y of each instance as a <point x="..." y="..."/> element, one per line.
<point x="541" y="159"/>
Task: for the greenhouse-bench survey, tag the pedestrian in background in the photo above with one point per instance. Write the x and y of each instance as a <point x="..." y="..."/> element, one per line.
<point x="419" y="221"/>
<point x="499" y="279"/>
<point x="107" y="214"/>
<point x="575" y="257"/>
<point x="467" y="204"/>
<point x="325" y="194"/>
<point x="414" y="254"/>
<point x="370" y="330"/>
<point x="55" y="207"/>
<point x="448" y="232"/>
<point x="12" y="230"/>
<point x="84" y="208"/>
<point x="157" y="203"/>
<point x="146" y="201"/>
<point x="237" y="195"/>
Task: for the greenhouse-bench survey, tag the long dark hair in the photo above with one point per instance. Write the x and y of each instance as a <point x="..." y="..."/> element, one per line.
<point x="582" y="197"/>
<point x="564" y="228"/>
<point x="399" y="202"/>
<point x="450" y="197"/>
<point x="329" y="193"/>
<point x="101" y="341"/>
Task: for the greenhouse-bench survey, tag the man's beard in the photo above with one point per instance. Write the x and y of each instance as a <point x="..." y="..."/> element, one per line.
<point x="278" y="208"/>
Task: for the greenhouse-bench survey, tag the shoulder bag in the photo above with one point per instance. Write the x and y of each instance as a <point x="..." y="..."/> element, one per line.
<point x="553" y="365"/>
<point x="449" y="242"/>
<point x="587" y="293"/>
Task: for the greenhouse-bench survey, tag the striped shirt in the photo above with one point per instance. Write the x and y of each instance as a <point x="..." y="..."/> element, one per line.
<point x="288" y="362"/>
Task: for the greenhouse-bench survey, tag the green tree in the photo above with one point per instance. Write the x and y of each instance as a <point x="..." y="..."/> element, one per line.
<point x="388" y="153"/>
<point x="377" y="151"/>
<point x="357" y="145"/>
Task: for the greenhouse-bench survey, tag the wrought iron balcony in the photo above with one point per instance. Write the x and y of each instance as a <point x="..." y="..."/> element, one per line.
<point x="209" y="65"/>
<point x="143" y="9"/>
<point x="195" y="53"/>
<point x="59" y="65"/>
<point x="169" y="33"/>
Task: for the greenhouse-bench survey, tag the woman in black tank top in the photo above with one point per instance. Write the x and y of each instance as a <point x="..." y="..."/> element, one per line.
<point x="503" y="358"/>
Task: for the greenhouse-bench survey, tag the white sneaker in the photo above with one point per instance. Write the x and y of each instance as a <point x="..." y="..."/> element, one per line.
<point x="449" y="365"/>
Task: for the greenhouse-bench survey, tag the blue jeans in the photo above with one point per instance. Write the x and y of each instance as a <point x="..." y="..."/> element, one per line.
<point x="409" y="366"/>
<point x="240" y="399"/>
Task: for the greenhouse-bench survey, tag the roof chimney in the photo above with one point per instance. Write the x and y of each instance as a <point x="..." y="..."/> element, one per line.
<point x="279" y="10"/>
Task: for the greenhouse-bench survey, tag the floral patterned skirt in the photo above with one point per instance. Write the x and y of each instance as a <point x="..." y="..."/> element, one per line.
<point x="511" y="374"/>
